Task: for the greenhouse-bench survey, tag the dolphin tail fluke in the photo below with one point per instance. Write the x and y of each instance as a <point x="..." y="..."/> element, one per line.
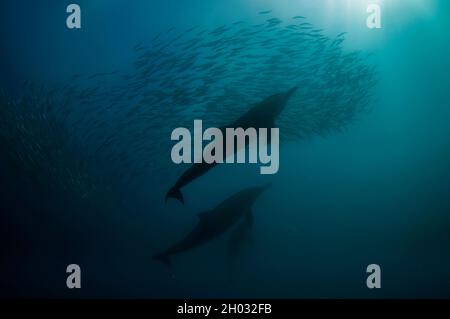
<point x="175" y="193"/>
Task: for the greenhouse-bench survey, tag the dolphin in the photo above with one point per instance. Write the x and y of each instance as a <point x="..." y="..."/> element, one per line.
<point x="214" y="222"/>
<point x="261" y="115"/>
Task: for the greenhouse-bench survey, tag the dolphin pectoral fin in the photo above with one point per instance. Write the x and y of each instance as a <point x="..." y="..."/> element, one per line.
<point x="175" y="193"/>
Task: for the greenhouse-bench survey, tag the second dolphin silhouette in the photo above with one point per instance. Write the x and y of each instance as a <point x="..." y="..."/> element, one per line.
<point x="262" y="115"/>
<point x="215" y="222"/>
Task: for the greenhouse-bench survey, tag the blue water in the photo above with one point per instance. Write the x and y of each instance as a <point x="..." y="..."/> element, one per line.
<point x="377" y="192"/>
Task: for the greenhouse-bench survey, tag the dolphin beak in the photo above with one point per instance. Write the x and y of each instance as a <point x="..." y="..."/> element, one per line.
<point x="291" y="91"/>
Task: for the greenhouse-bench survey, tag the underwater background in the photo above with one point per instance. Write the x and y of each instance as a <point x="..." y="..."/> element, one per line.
<point x="85" y="123"/>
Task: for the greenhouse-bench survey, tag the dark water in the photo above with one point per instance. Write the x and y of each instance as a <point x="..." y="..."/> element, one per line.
<point x="85" y="165"/>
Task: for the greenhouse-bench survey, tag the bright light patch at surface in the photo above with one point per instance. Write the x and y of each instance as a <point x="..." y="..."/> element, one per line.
<point x="355" y="7"/>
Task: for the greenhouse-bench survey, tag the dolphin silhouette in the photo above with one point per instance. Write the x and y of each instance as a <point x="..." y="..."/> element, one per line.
<point x="261" y="115"/>
<point x="215" y="222"/>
